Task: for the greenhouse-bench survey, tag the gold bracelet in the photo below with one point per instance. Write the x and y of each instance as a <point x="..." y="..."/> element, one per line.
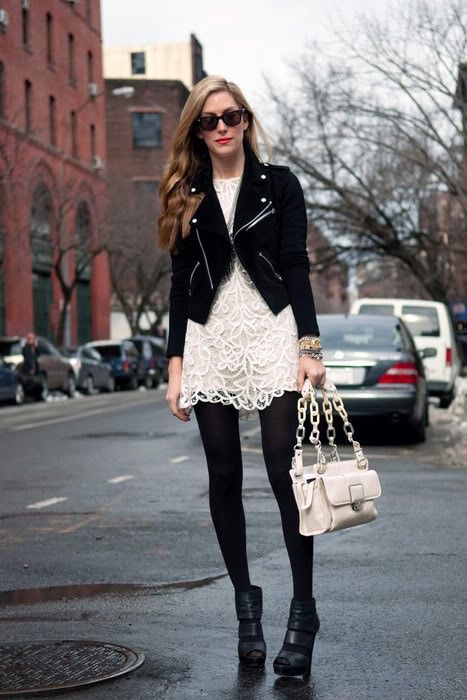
<point x="309" y="343"/>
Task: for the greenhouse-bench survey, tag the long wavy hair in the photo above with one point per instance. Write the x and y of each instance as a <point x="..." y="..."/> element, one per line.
<point x="187" y="154"/>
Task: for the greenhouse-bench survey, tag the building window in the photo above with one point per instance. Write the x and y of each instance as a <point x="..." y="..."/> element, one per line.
<point x="49" y="37"/>
<point x="74" y="142"/>
<point x="92" y="136"/>
<point x="27" y="105"/>
<point x="146" y="129"/>
<point x="138" y="63"/>
<point x="25" y="26"/>
<point x="52" y="121"/>
<point x="2" y="89"/>
<point x="90" y="67"/>
<point x="71" y="59"/>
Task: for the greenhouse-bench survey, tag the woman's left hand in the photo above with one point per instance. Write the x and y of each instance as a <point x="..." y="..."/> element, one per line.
<point x="312" y="369"/>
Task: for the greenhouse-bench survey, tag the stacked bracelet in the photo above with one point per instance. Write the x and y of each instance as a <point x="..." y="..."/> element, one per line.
<point x="310" y="346"/>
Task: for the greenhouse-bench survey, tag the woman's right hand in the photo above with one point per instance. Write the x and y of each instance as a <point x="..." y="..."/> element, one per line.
<point x="174" y="389"/>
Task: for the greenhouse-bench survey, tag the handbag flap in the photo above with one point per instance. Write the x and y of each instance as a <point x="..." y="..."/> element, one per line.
<point x="361" y="485"/>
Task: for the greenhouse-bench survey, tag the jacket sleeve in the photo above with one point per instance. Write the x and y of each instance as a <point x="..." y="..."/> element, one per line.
<point x="293" y="257"/>
<point x="178" y="302"/>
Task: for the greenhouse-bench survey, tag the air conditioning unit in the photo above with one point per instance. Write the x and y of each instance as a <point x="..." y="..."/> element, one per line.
<point x="26" y="4"/>
<point x="97" y="163"/>
<point x="4" y="19"/>
<point x="93" y="89"/>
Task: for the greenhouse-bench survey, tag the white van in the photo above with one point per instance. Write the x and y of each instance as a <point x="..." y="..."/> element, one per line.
<point x="431" y="327"/>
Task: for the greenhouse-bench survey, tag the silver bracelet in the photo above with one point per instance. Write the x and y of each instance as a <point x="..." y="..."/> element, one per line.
<point x="314" y="354"/>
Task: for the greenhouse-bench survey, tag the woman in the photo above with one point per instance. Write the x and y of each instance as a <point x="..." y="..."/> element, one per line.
<point x="243" y="334"/>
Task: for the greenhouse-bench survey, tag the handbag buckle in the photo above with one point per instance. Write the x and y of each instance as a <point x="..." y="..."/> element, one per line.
<point x="357" y="506"/>
<point x="357" y="496"/>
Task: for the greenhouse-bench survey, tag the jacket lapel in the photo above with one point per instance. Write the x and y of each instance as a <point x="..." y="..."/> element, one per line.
<point x="252" y="198"/>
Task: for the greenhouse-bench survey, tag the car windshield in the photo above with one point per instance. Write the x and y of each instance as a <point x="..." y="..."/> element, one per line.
<point x="108" y="352"/>
<point x="358" y="333"/>
<point x="422" y="320"/>
<point x="10" y="347"/>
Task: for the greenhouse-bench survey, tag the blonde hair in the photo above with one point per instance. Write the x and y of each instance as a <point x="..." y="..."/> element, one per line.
<point x="187" y="153"/>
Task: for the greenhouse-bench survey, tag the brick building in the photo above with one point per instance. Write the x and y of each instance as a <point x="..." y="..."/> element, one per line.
<point x="53" y="192"/>
<point x="139" y="133"/>
<point x="329" y="279"/>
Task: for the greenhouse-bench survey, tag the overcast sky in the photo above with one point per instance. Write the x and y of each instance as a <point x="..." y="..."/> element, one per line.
<point x="241" y="39"/>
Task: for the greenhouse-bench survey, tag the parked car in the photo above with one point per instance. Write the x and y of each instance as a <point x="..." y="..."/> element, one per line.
<point x="55" y="372"/>
<point x="92" y="373"/>
<point x="154" y="360"/>
<point x="375" y="364"/>
<point x="431" y="327"/>
<point x="123" y="358"/>
<point x="11" y="388"/>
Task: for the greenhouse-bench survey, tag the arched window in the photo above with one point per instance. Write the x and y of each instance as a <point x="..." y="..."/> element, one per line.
<point x="83" y="257"/>
<point x="41" y="255"/>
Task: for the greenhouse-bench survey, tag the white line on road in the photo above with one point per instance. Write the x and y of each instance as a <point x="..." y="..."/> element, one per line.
<point x="63" y="419"/>
<point x="118" y="479"/>
<point x="182" y="458"/>
<point x="48" y="502"/>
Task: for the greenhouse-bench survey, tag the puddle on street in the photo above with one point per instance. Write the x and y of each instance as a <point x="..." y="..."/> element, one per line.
<point x="29" y="596"/>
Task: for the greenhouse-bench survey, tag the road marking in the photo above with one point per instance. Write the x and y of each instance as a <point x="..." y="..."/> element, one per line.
<point x="63" y="419"/>
<point x="118" y="479"/>
<point x="177" y="460"/>
<point x="48" y="502"/>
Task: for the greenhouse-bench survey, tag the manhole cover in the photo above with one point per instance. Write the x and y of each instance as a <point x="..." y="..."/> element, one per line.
<point x="28" y="668"/>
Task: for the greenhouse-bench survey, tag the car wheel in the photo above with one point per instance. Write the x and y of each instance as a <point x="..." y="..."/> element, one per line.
<point x="19" y="395"/>
<point x="156" y="380"/>
<point x="446" y="399"/>
<point x="110" y="386"/>
<point x="89" y="386"/>
<point x="133" y="383"/>
<point x="70" y="386"/>
<point x="43" y="391"/>
<point x="148" y="382"/>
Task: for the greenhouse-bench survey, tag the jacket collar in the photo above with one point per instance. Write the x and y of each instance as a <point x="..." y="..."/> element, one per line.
<point x="255" y="190"/>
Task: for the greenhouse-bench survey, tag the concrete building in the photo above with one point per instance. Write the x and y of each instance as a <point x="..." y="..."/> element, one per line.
<point x="53" y="192"/>
<point x="178" y="61"/>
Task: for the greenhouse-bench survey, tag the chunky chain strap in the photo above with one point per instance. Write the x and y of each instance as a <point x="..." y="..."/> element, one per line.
<point x="309" y="398"/>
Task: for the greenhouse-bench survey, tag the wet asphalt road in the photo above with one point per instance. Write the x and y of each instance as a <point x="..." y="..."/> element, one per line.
<point x="390" y="595"/>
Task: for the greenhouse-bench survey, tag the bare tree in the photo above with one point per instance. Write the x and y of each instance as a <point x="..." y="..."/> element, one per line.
<point x="375" y="136"/>
<point x="139" y="271"/>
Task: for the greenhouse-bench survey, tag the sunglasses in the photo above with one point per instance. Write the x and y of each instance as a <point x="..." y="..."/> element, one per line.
<point x="229" y="118"/>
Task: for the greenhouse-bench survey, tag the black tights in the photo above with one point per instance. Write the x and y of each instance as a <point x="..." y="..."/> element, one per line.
<point x="219" y="429"/>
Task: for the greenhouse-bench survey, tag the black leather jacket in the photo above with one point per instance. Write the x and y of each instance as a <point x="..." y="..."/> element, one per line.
<point x="269" y="238"/>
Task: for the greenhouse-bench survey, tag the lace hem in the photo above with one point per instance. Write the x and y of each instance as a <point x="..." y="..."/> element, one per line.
<point x="242" y="403"/>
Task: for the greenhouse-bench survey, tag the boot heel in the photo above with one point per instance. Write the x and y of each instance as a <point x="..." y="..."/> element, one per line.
<point x="251" y="644"/>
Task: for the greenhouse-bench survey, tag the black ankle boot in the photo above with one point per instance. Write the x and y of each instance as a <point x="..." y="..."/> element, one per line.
<point x="251" y="645"/>
<point x="294" y="659"/>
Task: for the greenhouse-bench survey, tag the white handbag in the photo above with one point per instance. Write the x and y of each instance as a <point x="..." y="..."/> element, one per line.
<point x="336" y="494"/>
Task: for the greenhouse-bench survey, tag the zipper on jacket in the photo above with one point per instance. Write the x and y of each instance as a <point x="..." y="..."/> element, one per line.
<point x="260" y="218"/>
<point x="271" y="265"/>
<point x="256" y="218"/>
<point x="191" y="276"/>
<point x="205" y="259"/>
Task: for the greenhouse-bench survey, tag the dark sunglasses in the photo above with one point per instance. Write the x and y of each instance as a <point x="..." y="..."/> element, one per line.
<point x="229" y="118"/>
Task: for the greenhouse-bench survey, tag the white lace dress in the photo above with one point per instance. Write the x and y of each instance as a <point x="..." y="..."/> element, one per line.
<point x="244" y="354"/>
